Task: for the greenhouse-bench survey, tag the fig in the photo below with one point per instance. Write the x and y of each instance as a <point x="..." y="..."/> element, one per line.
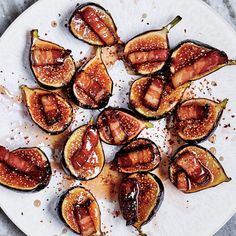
<point x="148" y="52"/>
<point x="117" y="126"/>
<point x="140" y="197"/>
<point x="197" y="118"/>
<point x="80" y="211"/>
<point x="138" y="156"/>
<point x="52" y="65"/>
<point x="92" y="85"/>
<point x="192" y="60"/>
<point x="153" y="98"/>
<point x="194" y="168"/>
<point x="93" y="24"/>
<point x="24" y="169"/>
<point x="83" y="154"/>
<point x="48" y="110"/>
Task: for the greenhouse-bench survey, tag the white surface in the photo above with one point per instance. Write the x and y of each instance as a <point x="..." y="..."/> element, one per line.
<point x="217" y="204"/>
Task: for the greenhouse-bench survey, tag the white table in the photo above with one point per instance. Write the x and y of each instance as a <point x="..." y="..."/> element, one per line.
<point x="10" y="9"/>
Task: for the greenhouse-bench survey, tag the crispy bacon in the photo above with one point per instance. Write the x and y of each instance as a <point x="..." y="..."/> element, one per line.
<point x="89" y="142"/>
<point x="21" y="165"/>
<point x="182" y="181"/>
<point x="195" y="112"/>
<point x="153" y="95"/>
<point x="84" y="219"/>
<point x="50" y="108"/>
<point x="140" y="57"/>
<point x="90" y="16"/>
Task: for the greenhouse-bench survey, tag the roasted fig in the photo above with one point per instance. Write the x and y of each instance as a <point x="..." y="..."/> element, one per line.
<point x="197" y="118"/>
<point x="52" y="65"/>
<point x="148" y="52"/>
<point x="194" y="168"/>
<point x="25" y="169"/>
<point x="83" y="155"/>
<point x="92" y="86"/>
<point x="140" y="197"/>
<point x="153" y="98"/>
<point x="138" y="156"/>
<point x="80" y="211"/>
<point x="193" y="60"/>
<point x="48" y="110"/>
<point x="118" y="126"/>
<point x="93" y="24"/>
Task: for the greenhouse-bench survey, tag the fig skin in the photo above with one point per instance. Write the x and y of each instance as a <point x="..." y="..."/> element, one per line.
<point x="40" y="186"/>
<point x="175" y="156"/>
<point x="221" y="105"/>
<point x="78" y="8"/>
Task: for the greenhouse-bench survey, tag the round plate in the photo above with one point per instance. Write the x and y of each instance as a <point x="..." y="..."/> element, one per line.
<point x="202" y="213"/>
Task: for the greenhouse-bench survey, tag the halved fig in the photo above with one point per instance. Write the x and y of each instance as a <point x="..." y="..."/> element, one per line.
<point x="25" y="169"/>
<point x="197" y="118"/>
<point x="52" y="65"/>
<point x="193" y="60"/>
<point x="93" y="24"/>
<point x="140" y="197"/>
<point x="92" y="86"/>
<point x="117" y="126"/>
<point x="83" y="154"/>
<point x="138" y="156"/>
<point x="80" y="211"/>
<point x="148" y="52"/>
<point x="153" y="97"/>
<point x="194" y="168"/>
<point x="48" y="110"/>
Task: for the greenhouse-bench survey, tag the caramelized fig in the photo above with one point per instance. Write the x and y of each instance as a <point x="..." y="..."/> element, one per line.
<point x="48" y="110"/>
<point x="93" y="24"/>
<point x="194" y="168"/>
<point x="118" y="126"/>
<point x="138" y="155"/>
<point x="197" y="118"/>
<point x="153" y="98"/>
<point x="80" y="211"/>
<point x="25" y="169"/>
<point x="83" y="155"/>
<point x="193" y="60"/>
<point x="140" y="197"/>
<point x="148" y="52"/>
<point x="92" y="86"/>
<point x="52" y="65"/>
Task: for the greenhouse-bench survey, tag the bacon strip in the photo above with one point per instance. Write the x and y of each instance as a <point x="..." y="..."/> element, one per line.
<point x="89" y="142"/>
<point x="51" y="109"/>
<point x="182" y="181"/>
<point x="41" y="57"/>
<point x="189" y="112"/>
<point x="100" y="28"/>
<point x="141" y="57"/>
<point x="153" y="95"/>
<point x="21" y="165"/>
<point x="84" y="219"/>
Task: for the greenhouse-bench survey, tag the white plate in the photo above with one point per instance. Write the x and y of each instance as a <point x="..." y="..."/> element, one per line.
<point x="202" y="213"/>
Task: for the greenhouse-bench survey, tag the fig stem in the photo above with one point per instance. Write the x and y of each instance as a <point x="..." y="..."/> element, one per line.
<point x="224" y="103"/>
<point x="232" y="62"/>
<point x="35" y="33"/>
<point x="149" y="125"/>
<point x="91" y="121"/>
<point x="175" y="21"/>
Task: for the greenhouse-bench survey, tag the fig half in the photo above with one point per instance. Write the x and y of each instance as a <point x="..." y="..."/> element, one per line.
<point x="138" y="156"/>
<point x="153" y="97"/>
<point x="24" y="169"/>
<point x="48" y="110"/>
<point x="194" y="168"/>
<point x="117" y="126"/>
<point x="52" y="65"/>
<point x="92" y="85"/>
<point x="140" y="197"/>
<point x="83" y="154"/>
<point x="80" y="211"/>
<point x="197" y="118"/>
<point x="192" y="60"/>
<point x="148" y="52"/>
<point x="93" y="24"/>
